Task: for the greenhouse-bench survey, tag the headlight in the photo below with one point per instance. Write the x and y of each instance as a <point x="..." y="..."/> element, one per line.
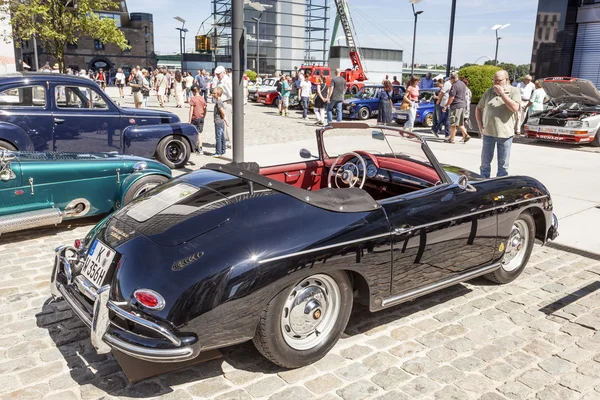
<point x="533" y="121"/>
<point x="577" y="124"/>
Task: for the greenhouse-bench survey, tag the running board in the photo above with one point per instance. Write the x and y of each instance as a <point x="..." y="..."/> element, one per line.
<point x="399" y="298"/>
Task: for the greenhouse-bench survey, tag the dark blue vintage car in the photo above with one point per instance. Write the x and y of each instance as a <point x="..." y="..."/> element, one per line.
<point x="366" y="102"/>
<point x="64" y="113"/>
<point x="425" y="110"/>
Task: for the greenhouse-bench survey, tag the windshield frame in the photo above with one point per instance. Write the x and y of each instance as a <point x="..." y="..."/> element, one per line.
<point x="387" y="132"/>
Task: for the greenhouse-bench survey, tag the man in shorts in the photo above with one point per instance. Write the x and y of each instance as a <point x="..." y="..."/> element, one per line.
<point x="457" y="103"/>
<point x="286" y="90"/>
<point x="136" y="87"/>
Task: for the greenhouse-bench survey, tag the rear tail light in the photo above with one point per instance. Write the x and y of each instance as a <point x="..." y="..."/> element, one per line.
<point x="149" y="299"/>
<point x="77" y="244"/>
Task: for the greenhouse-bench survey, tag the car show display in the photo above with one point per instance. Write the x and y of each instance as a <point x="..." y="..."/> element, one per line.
<point x="66" y="113"/>
<point x="425" y="110"/>
<point x="575" y="116"/>
<point x="365" y="104"/>
<point x="39" y="189"/>
<point x="279" y="254"/>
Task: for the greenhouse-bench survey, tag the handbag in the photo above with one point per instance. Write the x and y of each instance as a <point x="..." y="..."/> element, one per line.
<point x="405" y="105"/>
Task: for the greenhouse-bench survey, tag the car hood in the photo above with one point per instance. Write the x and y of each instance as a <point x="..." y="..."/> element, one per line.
<point x="181" y="209"/>
<point x="455" y="172"/>
<point x="572" y="91"/>
<point x="356" y="100"/>
<point x="142" y="112"/>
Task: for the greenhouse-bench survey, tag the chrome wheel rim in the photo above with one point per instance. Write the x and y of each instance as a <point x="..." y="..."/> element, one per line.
<point x="516" y="246"/>
<point x="175" y="151"/>
<point x="310" y="312"/>
<point x="144" y="188"/>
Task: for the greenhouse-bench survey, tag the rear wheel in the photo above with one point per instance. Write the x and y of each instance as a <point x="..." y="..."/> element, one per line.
<point x="7" y="146"/>
<point x="364" y="113"/>
<point x="303" y="322"/>
<point x="518" y="250"/>
<point x="143" y="185"/>
<point x="354" y="89"/>
<point x="429" y="120"/>
<point x="596" y="141"/>
<point x="173" y="151"/>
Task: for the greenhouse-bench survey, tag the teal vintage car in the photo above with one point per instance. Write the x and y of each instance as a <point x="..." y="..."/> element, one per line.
<point x="38" y="189"/>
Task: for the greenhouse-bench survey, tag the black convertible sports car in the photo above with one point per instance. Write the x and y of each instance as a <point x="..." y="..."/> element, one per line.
<point x="279" y="254"/>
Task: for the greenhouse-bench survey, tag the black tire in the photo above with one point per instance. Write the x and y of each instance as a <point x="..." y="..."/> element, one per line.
<point x="596" y="141"/>
<point x="354" y="89"/>
<point x="504" y="274"/>
<point x="4" y="145"/>
<point x="142" y="185"/>
<point x="269" y="338"/>
<point x="364" y="113"/>
<point x="428" y="122"/>
<point x="174" y="151"/>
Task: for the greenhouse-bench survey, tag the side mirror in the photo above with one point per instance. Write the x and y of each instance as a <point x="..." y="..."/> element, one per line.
<point x="463" y="183"/>
<point x="377" y="135"/>
<point x="305" y="153"/>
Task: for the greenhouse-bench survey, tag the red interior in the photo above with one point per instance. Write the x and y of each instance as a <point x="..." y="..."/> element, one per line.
<point x="312" y="175"/>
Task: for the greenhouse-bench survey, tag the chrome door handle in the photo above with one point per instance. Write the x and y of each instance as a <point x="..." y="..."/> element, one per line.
<point x="58" y="120"/>
<point x="288" y="174"/>
<point x="400" y="231"/>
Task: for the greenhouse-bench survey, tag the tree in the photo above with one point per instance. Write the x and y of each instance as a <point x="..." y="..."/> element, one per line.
<point x="480" y="79"/>
<point x="251" y="75"/>
<point x="56" y="23"/>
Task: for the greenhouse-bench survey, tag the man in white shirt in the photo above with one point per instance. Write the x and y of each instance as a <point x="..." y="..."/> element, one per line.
<point x="526" y="88"/>
<point x="442" y="101"/>
<point x="305" y="89"/>
<point x="224" y="82"/>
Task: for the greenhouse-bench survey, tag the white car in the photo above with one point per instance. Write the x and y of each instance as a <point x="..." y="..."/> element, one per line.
<point x="576" y="116"/>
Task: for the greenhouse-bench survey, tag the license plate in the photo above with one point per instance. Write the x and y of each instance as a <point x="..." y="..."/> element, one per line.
<point x="97" y="263"/>
<point x="345" y="112"/>
<point x="543" y="129"/>
<point x="401" y="116"/>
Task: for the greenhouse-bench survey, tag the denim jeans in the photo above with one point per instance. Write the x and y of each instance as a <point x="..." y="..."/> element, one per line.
<point x="220" y="138"/>
<point x="412" y="115"/>
<point x="437" y="116"/>
<point x="487" y="155"/>
<point x="444" y="120"/>
<point x="304" y="106"/>
<point x="338" y="106"/>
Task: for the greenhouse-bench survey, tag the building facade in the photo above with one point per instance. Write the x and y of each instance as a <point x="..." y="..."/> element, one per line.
<point x="90" y="53"/>
<point x="567" y="39"/>
<point x="377" y="62"/>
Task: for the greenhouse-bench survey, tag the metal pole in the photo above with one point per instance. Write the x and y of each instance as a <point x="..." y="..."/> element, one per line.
<point x="214" y="52"/>
<point x="35" y="53"/>
<point x="451" y="38"/>
<point x="181" y="46"/>
<point x="412" y="63"/>
<point x="237" y="30"/>
<point x="496" y="56"/>
<point x="258" y="46"/>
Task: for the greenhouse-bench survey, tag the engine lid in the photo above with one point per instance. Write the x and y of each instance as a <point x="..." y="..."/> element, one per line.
<point x="571" y="90"/>
<point x="176" y="213"/>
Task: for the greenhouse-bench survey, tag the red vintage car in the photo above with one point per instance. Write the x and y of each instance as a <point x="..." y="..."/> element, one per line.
<point x="270" y="97"/>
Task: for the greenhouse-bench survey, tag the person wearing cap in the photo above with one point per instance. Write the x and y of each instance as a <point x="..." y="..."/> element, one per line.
<point x="224" y="82"/>
<point x="526" y="88"/>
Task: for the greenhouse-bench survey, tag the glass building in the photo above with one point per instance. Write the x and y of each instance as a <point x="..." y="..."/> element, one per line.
<point x="567" y="39"/>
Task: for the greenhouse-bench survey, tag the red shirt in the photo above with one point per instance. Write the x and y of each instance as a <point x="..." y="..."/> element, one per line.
<point x="199" y="107"/>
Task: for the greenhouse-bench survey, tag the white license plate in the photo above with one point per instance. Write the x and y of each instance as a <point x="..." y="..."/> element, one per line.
<point x="97" y="263"/>
<point x="543" y="129"/>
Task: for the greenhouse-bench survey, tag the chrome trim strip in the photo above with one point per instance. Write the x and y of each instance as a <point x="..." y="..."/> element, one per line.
<point x="154" y="355"/>
<point x="390" y="301"/>
<point x="396" y="231"/>
<point x="85" y="287"/>
<point x="150" y="325"/>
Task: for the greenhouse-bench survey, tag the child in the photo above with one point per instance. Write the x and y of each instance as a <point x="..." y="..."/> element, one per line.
<point x="220" y="122"/>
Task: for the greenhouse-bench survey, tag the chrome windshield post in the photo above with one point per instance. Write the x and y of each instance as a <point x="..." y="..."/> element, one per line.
<point x="100" y="320"/>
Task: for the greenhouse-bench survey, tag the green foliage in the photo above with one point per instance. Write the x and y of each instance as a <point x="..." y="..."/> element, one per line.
<point x="480" y="79"/>
<point x="251" y="74"/>
<point x="515" y="72"/>
<point x="58" y="22"/>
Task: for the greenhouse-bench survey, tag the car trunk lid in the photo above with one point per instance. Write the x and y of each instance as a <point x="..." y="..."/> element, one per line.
<point x="571" y="90"/>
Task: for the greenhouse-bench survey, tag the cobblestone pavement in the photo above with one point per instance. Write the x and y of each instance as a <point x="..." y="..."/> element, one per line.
<point x="536" y="338"/>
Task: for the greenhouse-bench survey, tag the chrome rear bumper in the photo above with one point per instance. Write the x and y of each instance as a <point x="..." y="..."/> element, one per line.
<point x="105" y="334"/>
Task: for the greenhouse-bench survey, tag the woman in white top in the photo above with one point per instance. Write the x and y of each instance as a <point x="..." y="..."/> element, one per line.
<point x="120" y="79"/>
<point x="536" y="102"/>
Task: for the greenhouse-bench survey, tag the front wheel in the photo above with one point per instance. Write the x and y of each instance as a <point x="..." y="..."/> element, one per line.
<point x="518" y="250"/>
<point x="429" y="120"/>
<point x="303" y="322"/>
<point x="7" y="146"/>
<point x="173" y="151"/>
<point x="143" y="185"/>
<point x="364" y="113"/>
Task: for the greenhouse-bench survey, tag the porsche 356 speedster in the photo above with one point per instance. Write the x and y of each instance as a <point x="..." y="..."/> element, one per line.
<point x="278" y="255"/>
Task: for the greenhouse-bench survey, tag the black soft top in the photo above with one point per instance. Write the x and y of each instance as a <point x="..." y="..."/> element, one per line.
<point x="338" y="200"/>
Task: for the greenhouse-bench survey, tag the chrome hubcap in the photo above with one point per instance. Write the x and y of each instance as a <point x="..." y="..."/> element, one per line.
<point x="143" y="189"/>
<point x="516" y="246"/>
<point x="310" y="312"/>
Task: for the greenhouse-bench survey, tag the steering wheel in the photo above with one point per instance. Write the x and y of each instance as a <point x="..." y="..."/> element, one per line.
<point x="345" y="173"/>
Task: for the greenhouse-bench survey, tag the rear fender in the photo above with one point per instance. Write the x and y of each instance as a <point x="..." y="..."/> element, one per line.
<point x="16" y="136"/>
<point x="142" y="140"/>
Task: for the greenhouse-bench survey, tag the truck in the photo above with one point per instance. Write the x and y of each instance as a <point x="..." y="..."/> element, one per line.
<point x="355" y="76"/>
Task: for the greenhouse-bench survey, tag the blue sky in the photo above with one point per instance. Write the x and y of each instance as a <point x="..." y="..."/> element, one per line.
<point x="389" y="24"/>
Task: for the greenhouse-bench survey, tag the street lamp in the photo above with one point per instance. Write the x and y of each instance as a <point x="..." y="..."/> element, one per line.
<point x="416" y="14"/>
<point x="182" y="31"/>
<point x="496" y="28"/>
<point x="257" y="42"/>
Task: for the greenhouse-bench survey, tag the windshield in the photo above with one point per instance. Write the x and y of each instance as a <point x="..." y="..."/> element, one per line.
<point x="427" y="96"/>
<point x="367" y="92"/>
<point x="380" y="142"/>
<point x="268" y="82"/>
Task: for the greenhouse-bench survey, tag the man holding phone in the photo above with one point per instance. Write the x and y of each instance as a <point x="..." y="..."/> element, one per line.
<point x="496" y="114"/>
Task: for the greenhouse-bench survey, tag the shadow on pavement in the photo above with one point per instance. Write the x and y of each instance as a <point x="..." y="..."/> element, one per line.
<point x="571" y="298"/>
